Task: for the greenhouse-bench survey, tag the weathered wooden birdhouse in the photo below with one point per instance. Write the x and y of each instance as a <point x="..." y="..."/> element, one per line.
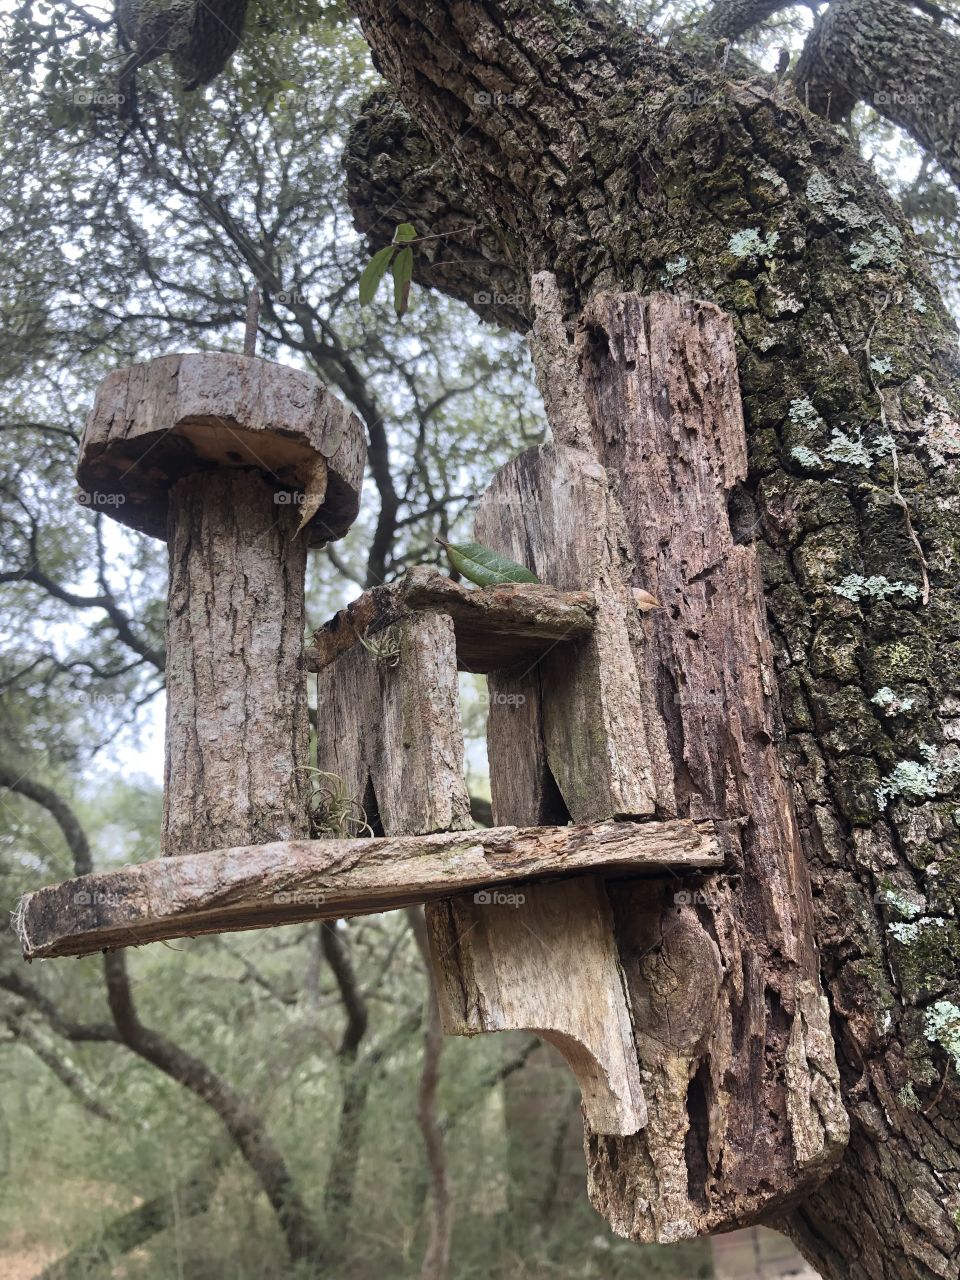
<point x="641" y="900"/>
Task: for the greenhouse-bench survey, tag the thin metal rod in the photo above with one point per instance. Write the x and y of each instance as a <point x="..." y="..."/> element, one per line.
<point x="253" y="319"/>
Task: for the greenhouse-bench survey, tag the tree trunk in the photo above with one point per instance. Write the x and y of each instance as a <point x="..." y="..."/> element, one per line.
<point x="618" y="164"/>
<point x="899" y="61"/>
<point x="237" y="731"/>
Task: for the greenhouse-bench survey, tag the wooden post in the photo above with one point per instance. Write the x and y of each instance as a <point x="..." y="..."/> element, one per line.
<point x="228" y="458"/>
<point x="237" y="741"/>
<point x="731" y="1031"/>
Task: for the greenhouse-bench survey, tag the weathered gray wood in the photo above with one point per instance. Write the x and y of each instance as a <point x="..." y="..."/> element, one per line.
<point x="394" y="700"/>
<point x="154" y="422"/>
<point x="237" y="741"/>
<point x="495" y="627"/>
<point x="237" y="463"/>
<point x="521" y="782"/>
<point x="225" y="890"/>
<point x="569" y="734"/>
<point x="544" y="960"/>
<point x="733" y="1031"/>
<point x="393" y="713"/>
<point x="603" y="738"/>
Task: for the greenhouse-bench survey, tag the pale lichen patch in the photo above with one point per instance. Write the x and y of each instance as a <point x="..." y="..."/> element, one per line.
<point x="748" y="243"/>
<point x="891" y="703"/>
<point x="941" y="1024"/>
<point x="855" y="587"/>
<point x="844" y="448"/>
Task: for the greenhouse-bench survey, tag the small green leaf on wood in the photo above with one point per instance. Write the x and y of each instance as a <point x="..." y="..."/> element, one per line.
<point x="374" y="272"/>
<point x="404" y="232"/>
<point x="484" y="567"/>
<point x="402" y="275"/>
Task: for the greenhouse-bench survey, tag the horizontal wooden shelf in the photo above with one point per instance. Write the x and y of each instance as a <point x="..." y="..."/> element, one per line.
<point x="228" y="890"/>
<point x="496" y="627"/>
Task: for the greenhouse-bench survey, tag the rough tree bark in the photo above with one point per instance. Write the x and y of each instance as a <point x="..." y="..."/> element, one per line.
<point x="236" y="565"/>
<point x="616" y="163"/>
<point x="903" y="63"/>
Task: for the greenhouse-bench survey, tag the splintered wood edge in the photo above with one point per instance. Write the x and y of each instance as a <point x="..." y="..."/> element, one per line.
<point x="495" y="626"/>
<point x="260" y="886"/>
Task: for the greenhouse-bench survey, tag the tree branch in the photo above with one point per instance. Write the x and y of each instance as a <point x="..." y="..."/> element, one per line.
<point x="106" y="602"/>
<point x="436" y="1258"/>
<point x="62" y="1068"/>
<point x="731" y="19"/>
<point x="354" y="1005"/>
<point x="58" y="808"/>
<point x="904" y="65"/>
<point x="237" y="1114"/>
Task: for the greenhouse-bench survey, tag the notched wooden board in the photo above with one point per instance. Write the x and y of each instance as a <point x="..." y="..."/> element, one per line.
<point x="545" y="959"/>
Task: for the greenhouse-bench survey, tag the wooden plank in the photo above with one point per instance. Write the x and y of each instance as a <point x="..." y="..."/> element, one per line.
<point x="228" y="890"/>
<point x="545" y="960"/>
<point x="494" y="626"/>
<point x="388" y="727"/>
<point x="731" y="1026"/>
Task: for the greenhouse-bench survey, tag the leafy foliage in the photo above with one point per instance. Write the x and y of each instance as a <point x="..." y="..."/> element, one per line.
<point x="484" y="567"/>
<point x="397" y="257"/>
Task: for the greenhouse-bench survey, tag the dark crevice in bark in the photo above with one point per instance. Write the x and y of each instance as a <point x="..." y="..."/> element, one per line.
<point x="698" y="1136"/>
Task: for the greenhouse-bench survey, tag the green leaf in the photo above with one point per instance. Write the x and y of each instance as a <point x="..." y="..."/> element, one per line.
<point x="404" y="232"/>
<point x="402" y="275"/>
<point x="484" y="567"/>
<point x="373" y="273"/>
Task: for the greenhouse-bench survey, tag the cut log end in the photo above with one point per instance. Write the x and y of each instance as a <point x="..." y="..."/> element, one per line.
<point x="179" y="415"/>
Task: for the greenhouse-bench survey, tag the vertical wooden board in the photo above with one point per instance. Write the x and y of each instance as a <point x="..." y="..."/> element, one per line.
<point x="543" y="958"/>
<point x="347" y="692"/>
<point x="550" y="509"/>
<point x="744" y="1086"/>
<point x="392" y="717"/>
<point x="521" y="784"/>
<point x="415" y="748"/>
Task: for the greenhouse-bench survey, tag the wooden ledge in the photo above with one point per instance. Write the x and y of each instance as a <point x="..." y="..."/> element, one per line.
<point x="495" y="627"/>
<point x="228" y="890"/>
